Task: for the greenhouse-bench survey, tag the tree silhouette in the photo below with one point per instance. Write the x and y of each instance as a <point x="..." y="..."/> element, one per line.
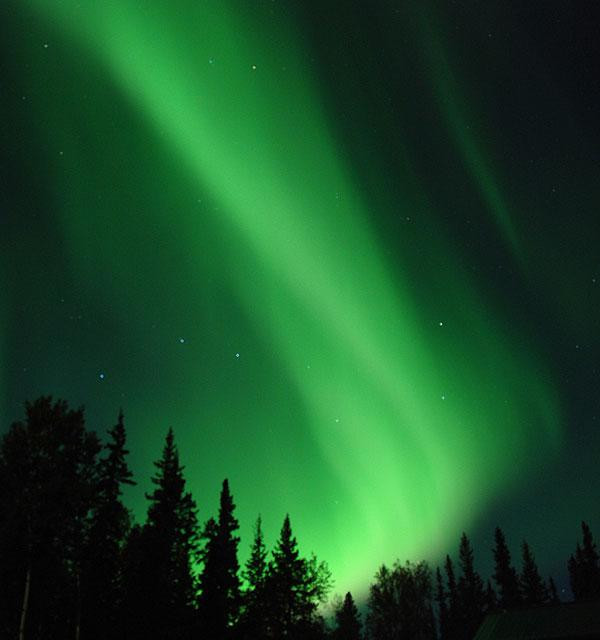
<point x="532" y="585"/>
<point x="295" y="588"/>
<point x="72" y="566"/>
<point x="102" y="571"/>
<point x="584" y="570"/>
<point x="160" y="555"/>
<point x="442" y="606"/>
<point x="347" y="619"/>
<point x="453" y="619"/>
<point x="505" y="575"/>
<point x="47" y="474"/>
<point x="471" y="596"/>
<point x="400" y="603"/>
<point x="220" y="596"/>
<point x="138" y="620"/>
<point x="255" y="605"/>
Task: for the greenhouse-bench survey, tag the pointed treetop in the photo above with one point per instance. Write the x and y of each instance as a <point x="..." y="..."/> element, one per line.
<point x="466" y="555"/>
<point x="451" y="577"/>
<point x="255" y="572"/>
<point x="347" y="620"/>
<point x="589" y="549"/>
<point x="532" y="584"/>
<point x="505" y="575"/>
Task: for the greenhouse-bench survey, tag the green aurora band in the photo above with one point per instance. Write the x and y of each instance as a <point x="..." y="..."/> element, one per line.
<point x="193" y="157"/>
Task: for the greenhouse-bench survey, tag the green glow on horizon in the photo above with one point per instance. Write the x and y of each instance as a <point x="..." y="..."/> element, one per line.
<point x="410" y="426"/>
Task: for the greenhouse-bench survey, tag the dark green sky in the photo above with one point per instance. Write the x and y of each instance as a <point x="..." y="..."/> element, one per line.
<point x="349" y="251"/>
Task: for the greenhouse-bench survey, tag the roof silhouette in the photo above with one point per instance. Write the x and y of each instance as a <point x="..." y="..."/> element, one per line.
<point x="568" y="621"/>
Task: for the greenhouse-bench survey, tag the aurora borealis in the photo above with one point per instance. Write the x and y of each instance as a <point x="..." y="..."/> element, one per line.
<point x="349" y="253"/>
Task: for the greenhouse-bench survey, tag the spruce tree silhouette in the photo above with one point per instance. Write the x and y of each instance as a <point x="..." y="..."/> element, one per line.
<point x="162" y="553"/>
<point x="454" y="614"/>
<point x="138" y="587"/>
<point x="505" y="575"/>
<point x="220" y="596"/>
<point x="442" y="606"/>
<point x="102" y="571"/>
<point x="347" y="619"/>
<point x="584" y="568"/>
<point x="471" y="595"/>
<point x="255" y="606"/>
<point x="47" y="474"/>
<point x="295" y="588"/>
<point x="533" y="588"/>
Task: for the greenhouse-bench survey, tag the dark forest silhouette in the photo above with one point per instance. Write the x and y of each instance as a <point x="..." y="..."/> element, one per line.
<point x="73" y="564"/>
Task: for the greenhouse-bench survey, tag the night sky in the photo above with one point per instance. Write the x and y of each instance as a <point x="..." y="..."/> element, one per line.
<point x="349" y="251"/>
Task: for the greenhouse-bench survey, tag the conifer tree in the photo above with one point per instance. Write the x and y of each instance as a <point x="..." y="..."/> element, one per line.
<point x="532" y="585"/>
<point x="347" y="618"/>
<point x="220" y="595"/>
<point x="584" y="569"/>
<point x="161" y="555"/>
<point x="505" y="575"/>
<point x="295" y="586"/>
<point x="442" y="605"/>
<point x="471" y="595"/>
<point x="254" y="598"/>
<point x="453" y="620"/>
<point x="138" y="587"/>
<point x="573" y="566"/>
<point x="102" y="579"/>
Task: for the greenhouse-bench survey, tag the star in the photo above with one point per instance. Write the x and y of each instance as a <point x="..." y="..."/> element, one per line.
<point x="443" y="396"/>
<point x="441" y="324"/>
<point x="253" y="67"/>
<point x="102" y="376"/>
<point x="237" y="355"/>
<point x="181" y="340"/>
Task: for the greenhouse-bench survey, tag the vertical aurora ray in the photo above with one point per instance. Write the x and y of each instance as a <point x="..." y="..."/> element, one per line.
<point x="461" y="124"/>
<point x="416" y="415"/>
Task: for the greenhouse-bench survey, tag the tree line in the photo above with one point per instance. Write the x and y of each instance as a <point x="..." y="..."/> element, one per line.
<point x="75" y="565"/>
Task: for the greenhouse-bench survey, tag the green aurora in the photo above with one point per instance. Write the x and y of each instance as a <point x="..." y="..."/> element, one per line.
<point x="216" y="261"/>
